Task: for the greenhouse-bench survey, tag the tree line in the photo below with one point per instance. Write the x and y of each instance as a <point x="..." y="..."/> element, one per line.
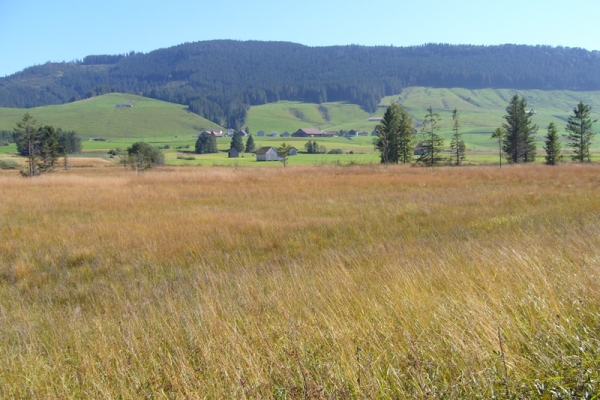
<point x="221" y="79"/>
<point x="397" y="137"/>
<point x="44" y="145"/>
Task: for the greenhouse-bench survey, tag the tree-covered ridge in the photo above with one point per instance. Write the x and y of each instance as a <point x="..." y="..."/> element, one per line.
<point x="221" y="79"/>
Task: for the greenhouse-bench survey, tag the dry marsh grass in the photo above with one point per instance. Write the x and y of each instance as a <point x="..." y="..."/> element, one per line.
<point x="303" y="282"/>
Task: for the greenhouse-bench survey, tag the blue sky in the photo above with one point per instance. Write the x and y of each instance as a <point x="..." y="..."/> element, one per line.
<point x="33" y="31"/>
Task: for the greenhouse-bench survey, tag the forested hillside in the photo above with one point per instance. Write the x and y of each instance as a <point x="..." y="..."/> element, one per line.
<point x="219" y="80"/>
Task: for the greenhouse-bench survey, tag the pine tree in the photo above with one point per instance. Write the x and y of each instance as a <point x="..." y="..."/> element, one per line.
<point x="457" y="145"/>
<point x="519" y="143"/>
<point x="237" y="142"/>
<point x="580" y="134"/>
<point x="552" y="146"/>
<point x="309" y="147"/>
<point x="250" y="145"/>
<point x="283" y="151"/>
<point x="48" y="148"/>
<point x="212" y="144"/>
<point x="27" y="139"/>
<point x="387" y="141"/>
<point x="500" y="136"/>
<point x="432" y="142"/>
<point x="406" y="137"/>
<point x="202" y="144"/>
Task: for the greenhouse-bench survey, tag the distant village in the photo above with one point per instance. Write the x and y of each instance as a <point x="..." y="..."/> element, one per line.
<point x="270" y="153"/>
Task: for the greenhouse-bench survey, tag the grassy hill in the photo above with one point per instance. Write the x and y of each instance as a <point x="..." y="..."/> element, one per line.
<point x="98" y="117"/>
<point x="291" y="116"/>
<point x="481" y="111"/>
<point x="161" y="123"/>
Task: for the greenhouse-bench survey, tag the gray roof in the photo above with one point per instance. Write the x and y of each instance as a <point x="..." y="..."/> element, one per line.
<point x="311" y="131"/>
<point x="264" y="150"/>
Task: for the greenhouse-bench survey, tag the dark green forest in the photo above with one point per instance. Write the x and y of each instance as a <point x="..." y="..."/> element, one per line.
<point x="220" y="79"/>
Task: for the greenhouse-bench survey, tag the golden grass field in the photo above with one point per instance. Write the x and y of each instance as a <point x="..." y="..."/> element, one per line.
<point x="303" y="282"/>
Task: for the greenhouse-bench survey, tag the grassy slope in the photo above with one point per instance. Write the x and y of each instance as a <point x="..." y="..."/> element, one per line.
<point x="481" y="112"/>
<point x="98" y="117"/>
<point x="282" y="117"/>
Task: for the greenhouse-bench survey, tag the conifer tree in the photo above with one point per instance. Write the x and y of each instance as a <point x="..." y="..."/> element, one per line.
<point x="457" y="145"/>
<point x="283" y="151"/>
<point x="48" y="148"/>
<point x="395" y="136"/>
<point x="27" y="139"/>
<point x="552" y="146"/>
<point x="500" y="136"/>
<point x="309" y="147"/>
<point x="432" y="142"/>
<point x="237" y="142"/>
<point x="519" y="143"/>
<point x="250" y="145"/>
<point x="213" y="144"/>
<point x="580" y="134"/>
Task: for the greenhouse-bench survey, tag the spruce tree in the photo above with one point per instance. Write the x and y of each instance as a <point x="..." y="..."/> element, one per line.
<point x="48" y="148"/>
<point x="519" y="143"/>
<point x="212" y="144"/>
<point x="432" y="142"/>
<point x="27" y="137"/>
<point x="250" y="145"/>
<point x="500" y="136"/>
<point x="202" y="144"/>
<point x="552" y="146"/>
<point x="309" y="147"/>
<point x="237" y="142"/>
<point x="387" y="141"/>
<point x="580" y="134"/>
<point x="457" y="145"/>
<point x="406" y="137"/>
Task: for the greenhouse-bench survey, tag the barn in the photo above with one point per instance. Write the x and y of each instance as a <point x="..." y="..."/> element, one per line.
<point x="233" y="153"/>
<point x="267" y="154"/>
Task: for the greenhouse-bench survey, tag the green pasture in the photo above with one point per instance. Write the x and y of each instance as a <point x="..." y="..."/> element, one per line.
<point x="98" y="117"/>
<point x="292" y="115"/>
<point x="160" y="123"/>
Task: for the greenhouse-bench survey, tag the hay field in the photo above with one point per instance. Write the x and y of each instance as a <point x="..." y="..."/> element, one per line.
<point x="303" y="282"/>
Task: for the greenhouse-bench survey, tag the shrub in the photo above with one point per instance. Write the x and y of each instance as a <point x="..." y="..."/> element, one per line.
<point x="335" y="151"/>
<point x="9" y="164"/>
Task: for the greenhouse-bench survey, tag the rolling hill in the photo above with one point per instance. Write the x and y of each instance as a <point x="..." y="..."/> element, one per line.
<point x="98" y="117"/>
<point x="220" y="79"/>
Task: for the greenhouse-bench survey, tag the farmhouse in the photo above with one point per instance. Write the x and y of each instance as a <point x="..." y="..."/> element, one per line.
<point x="230" y="132"/>
<point x="374" y="133"/>
<point x="293" y="151"/>
<point x="233" y="153"/>
<point x="331" y="133"/>
<point x="243" y="133"/>
<point x="308" y="132"/>
<point x="285" y="134"/>
<point x="352" y="133"/>
<point x="261" y="133"/>
<point x="375" y="119"/>
<point x="267" y="154"/>
<point x="218" y="133"/>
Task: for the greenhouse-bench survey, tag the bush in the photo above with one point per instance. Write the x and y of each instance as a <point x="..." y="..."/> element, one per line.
<point x="190" y="158"/>
<point x="9" y="164"/>
<point x="3" y="142"/>
<point x="335" y="151"/>
<point x="144" y="156"/>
